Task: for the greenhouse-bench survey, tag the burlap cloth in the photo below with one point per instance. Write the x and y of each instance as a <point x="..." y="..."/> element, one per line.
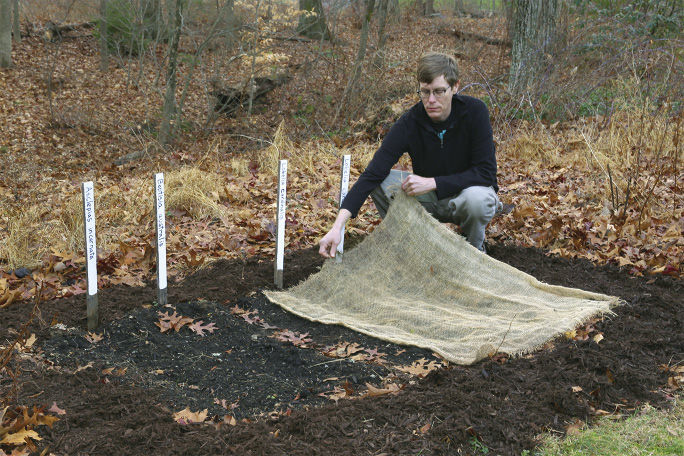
<point x="414" y="281"/>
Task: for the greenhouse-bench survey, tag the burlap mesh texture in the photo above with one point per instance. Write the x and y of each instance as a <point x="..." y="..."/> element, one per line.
<point x="414" y="281"/>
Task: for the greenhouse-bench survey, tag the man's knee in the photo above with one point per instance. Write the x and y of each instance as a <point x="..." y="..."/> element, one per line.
<point x="477" y="202"/>
<point x="381" y="200"/>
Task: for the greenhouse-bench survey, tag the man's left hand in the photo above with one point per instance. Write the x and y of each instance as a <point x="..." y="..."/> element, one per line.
<point x="415" y="185"/>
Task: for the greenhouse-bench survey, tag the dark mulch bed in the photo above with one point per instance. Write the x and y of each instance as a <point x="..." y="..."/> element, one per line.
<point x="503" y="405"/>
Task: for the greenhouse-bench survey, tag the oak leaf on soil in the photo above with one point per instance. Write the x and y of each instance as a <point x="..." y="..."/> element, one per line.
<point x="20" y="437"/>
<point x="175" y="321"/>
<point x="186" y="416"/>
<point x="336" y="394"/>
<point x="82" y="368"/>
<point x="391" y="388"/>
<point x="229" y="420"/>
<point x="424" y="429"/>
<point x="55" y="409"/>
<point x="297" y="339"/>
<point x="93" y="338"/>
<point x="575" y="427"/>
<point x="199" y="328"/>
<point x="28" y="343"/>
<point x="236" y="310"/>
<point x="256" y="319"/>
<point x="17" y="452"/>
<point x="420" y="368"/>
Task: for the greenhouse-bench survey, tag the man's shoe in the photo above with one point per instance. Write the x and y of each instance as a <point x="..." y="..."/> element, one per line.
<point x="503" y="209"/>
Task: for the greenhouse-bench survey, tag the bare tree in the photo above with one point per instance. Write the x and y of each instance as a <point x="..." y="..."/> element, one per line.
<point x="231" y="23"/>
<point x="382" y="35"/>
<point x="312" y="23"/>
<point x="5" y="33"/>
<point x="428" y="7"/>
<point x="16" y="26"/>
<point x="169" y="108"/>
<point x="459" y="8"/>
<point x="152" y="18"/>
<point x="534" y="30"/>
<point x="360" y="56"/>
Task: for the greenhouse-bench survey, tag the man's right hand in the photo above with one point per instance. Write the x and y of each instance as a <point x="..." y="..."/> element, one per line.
<point x="329" y="242"/>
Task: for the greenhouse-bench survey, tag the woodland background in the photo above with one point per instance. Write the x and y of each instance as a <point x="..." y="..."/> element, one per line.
<point x="213" y="93"/>
<point x="585" y="98"/>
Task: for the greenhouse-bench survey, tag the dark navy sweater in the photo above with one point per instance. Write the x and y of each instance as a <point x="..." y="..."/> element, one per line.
<point x="458" y="152"/>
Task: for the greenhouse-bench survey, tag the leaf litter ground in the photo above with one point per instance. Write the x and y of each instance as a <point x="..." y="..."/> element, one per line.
<point x="281" y="385"/>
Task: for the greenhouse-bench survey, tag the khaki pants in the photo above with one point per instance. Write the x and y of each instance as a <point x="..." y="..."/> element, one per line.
<point x="472" y="209"/>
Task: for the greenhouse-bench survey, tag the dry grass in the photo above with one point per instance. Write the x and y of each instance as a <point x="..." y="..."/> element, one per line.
<point x="120" y="211"/>
<point x="310" y="158"/>
<point x="28" y="238"/>
<point x="238" y="166"/>
<point x="71" y="219"/>
<point x="212" y="188"/>
<point x="195" y="191"/>
<point x="124" y="208"/>
<point x="268" y="158"/>
<point x="635" y="148"/>
<point x="536" y="145"/>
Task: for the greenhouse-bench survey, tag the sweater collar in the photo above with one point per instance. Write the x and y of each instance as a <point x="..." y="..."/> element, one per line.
<point x="458" y="110"/>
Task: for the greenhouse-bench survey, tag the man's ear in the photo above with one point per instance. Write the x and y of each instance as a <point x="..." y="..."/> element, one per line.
<point x="455" y="87"/>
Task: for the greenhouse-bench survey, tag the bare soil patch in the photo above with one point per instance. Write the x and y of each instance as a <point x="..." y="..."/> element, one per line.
<point x="501" y="403"/>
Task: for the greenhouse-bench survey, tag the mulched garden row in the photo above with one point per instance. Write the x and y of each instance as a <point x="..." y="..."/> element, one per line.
<point x="502" y="404"/>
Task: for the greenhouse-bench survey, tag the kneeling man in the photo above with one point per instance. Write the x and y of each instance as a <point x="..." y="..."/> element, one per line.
<point x="449" y="139"/>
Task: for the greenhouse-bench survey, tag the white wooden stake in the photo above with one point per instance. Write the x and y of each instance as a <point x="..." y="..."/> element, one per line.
<point x="90" y="253"/>
<point x="344" y="186"/>
<point x="280" y="233"/>
<point x="161" y="237"/>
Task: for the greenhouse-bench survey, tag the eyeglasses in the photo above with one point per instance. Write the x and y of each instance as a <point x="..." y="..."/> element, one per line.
<point x="438" y="93"/>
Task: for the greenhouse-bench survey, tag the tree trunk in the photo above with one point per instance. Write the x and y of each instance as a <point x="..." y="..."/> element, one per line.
<point x="428" y="7"/>
<point x="5" y="33"/>
<point x="104" y="47"/>
<point x="169" y="108"/>
<point x="252" y="87"/>
<point x="360" y="56"/>
<point x="395" y="9"/>
<point x="313" y="25"/>
<point x="16" y="26"/>
<point x="534" y="29"/>
<point x="152" y="20"/>
<point x="231" y="23"/>
<point x="170" y="20"/>
<point x="382" y="36"/>
<point x="459" y="8"/>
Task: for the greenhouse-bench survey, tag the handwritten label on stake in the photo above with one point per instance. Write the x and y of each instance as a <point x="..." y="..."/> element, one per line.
<point x="161" y="236"/>
<point x="344" y="187"/>
<point x="90" y="252"/>
<point x="280" y="233"/>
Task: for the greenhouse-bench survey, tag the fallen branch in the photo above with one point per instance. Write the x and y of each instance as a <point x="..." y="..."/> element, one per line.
<point x="130" y="157"/>
<point x="54" y="31"/>
<point x="474" y="36"/>
<point x="475" y="15"/>
<point x="291" y="38"/>
<point x="229" y="99"/>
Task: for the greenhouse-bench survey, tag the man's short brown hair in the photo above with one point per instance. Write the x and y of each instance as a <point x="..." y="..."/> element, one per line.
<point x="432" y="65"/>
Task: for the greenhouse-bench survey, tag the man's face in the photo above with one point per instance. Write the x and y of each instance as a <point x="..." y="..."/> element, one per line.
<point x="436" y="98"/>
